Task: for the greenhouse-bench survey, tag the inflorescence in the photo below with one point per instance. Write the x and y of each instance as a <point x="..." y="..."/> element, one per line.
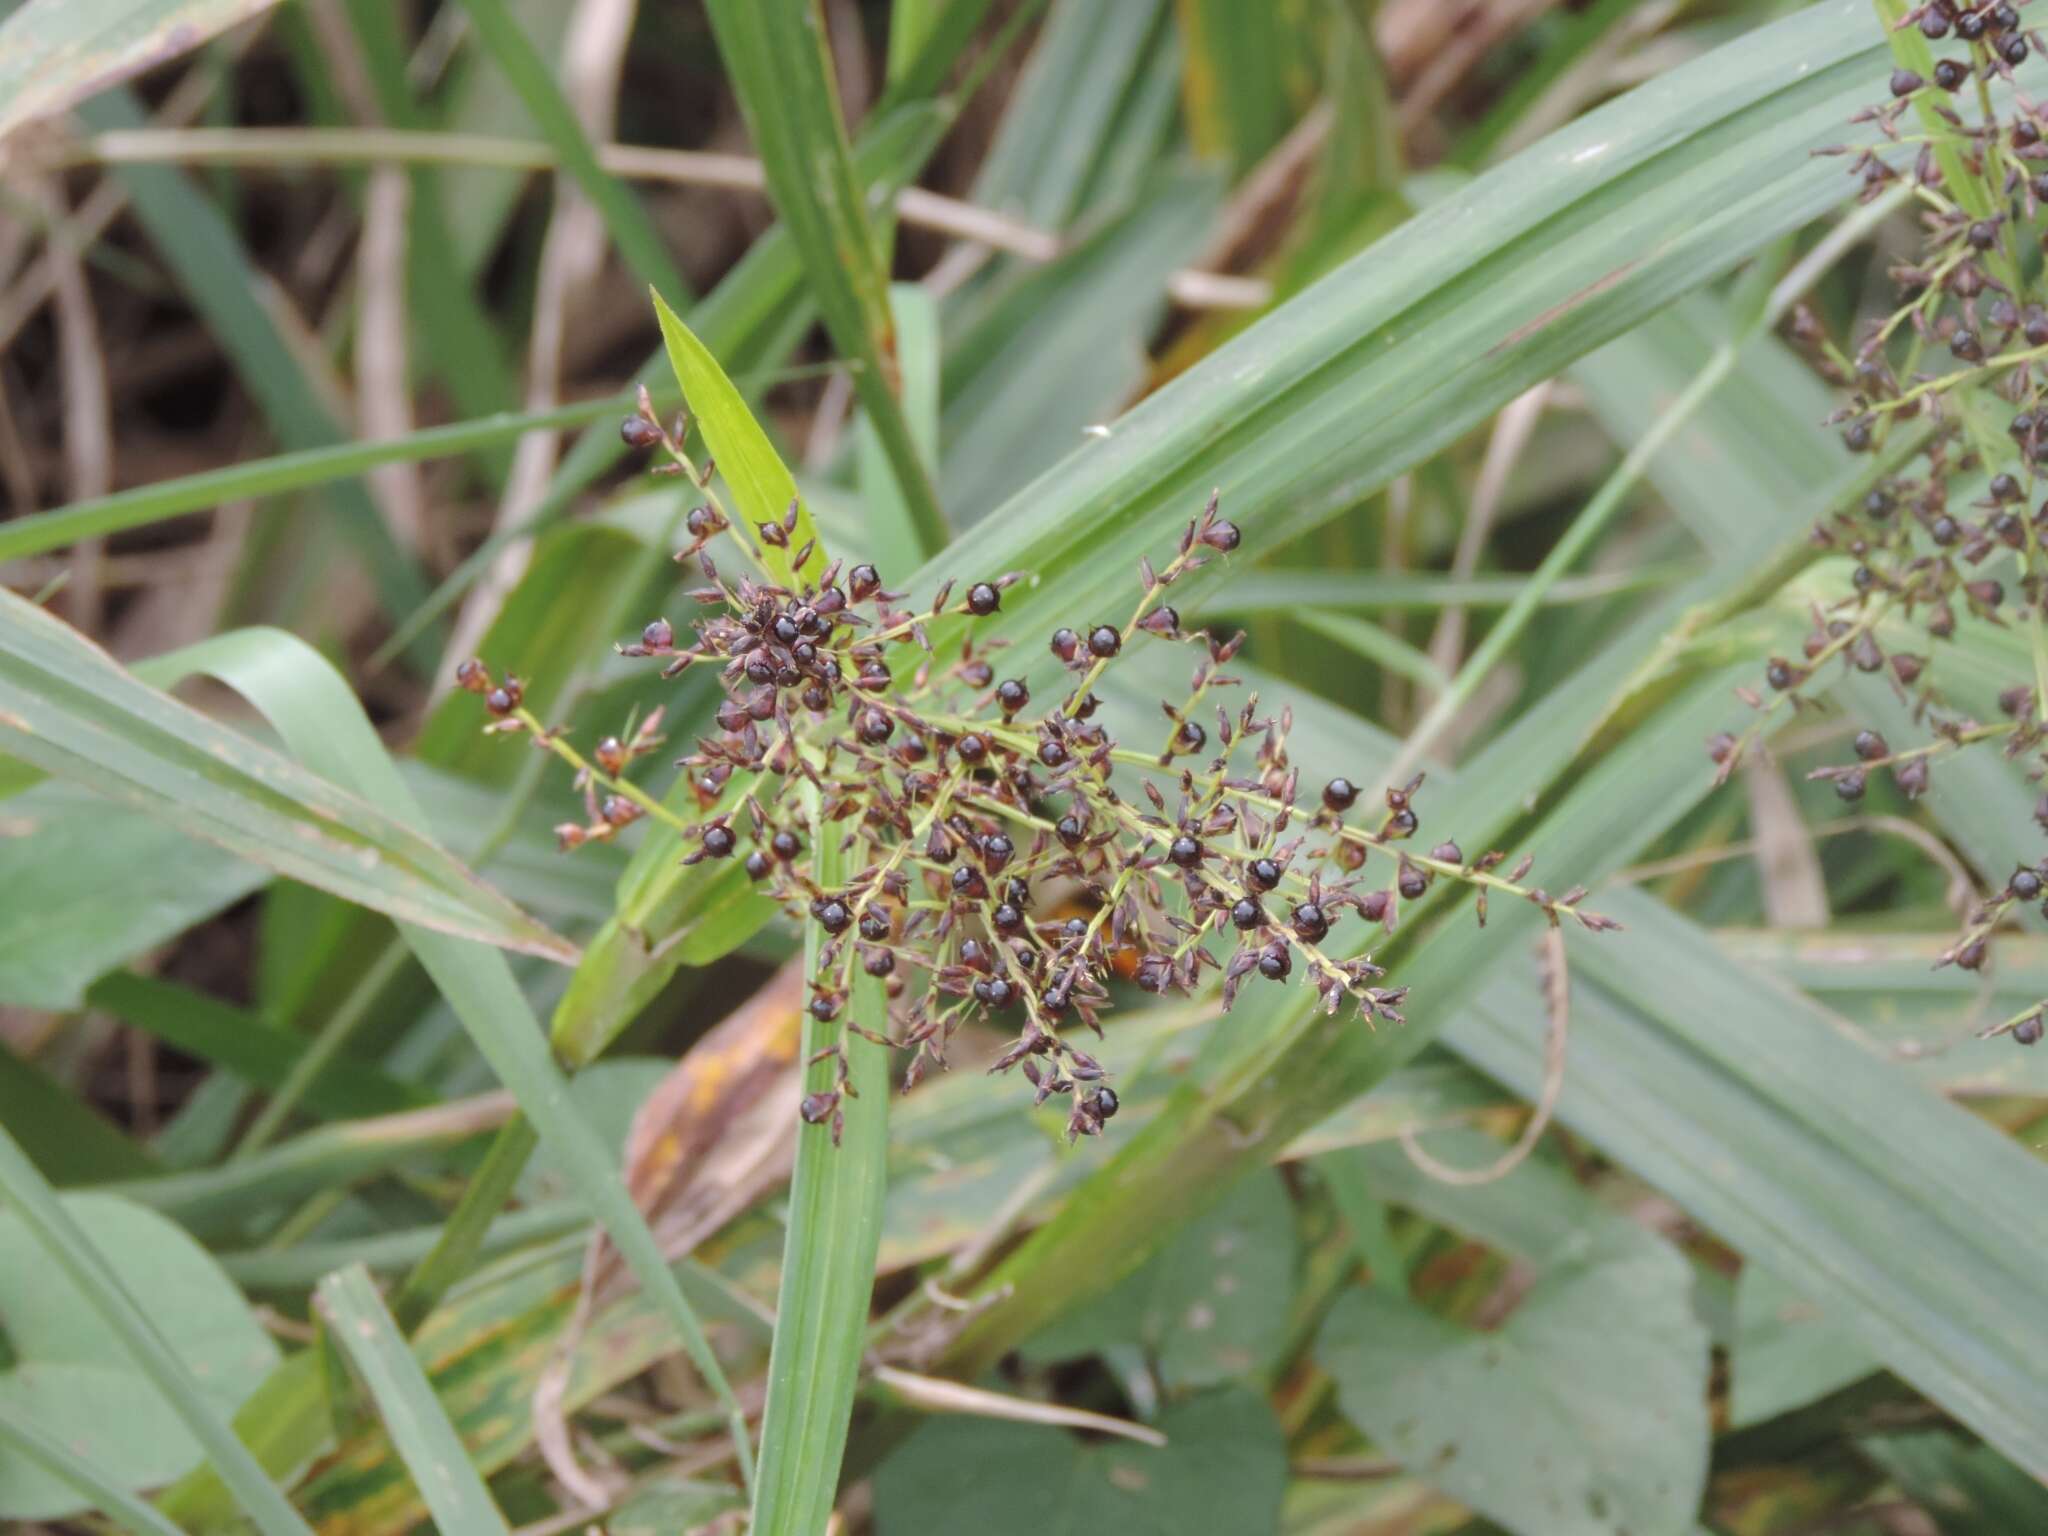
<point x="1950" y="388"/>
<point x="1010" y="858"/>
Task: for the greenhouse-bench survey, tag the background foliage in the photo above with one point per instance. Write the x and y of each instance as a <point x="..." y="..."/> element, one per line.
<point x="364" y="1162"/>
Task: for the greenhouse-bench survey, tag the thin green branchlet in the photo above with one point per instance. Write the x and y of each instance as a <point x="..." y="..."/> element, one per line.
<point x="1962" y="355"/>
<point x="1013" y="862"/>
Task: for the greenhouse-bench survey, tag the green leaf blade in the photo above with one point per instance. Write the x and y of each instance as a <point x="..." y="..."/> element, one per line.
<point x="419" y="1428"/>
<point x="776" y="55"/>
<point x="828" y="1261"/>
<point x="56" y="52"/>
<point x="68" y="708"/>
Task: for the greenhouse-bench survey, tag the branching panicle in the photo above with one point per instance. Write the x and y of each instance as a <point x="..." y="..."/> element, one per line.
<point x="1957" y="375"/>
<point x="1002" y="869"/>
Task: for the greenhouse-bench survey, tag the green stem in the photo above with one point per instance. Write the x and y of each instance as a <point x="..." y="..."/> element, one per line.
<point x="464" y="1234"/>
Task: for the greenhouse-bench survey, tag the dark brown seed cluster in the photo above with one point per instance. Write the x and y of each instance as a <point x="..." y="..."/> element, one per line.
<point x="1949" y="394"/>
<point x="1010" y="862"/>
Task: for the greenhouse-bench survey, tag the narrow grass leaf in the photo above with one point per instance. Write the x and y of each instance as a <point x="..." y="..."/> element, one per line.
<point x="911" y="24"/>
<point x="1234" y="81"/>
<point x="763" y="488"/>
<point x="216" y="1201"/>
<point x="70" y="709"/>
<point x="895" y="540"/>
<point x="205" y="254"/>
<point x="639" y="243"/>
<point x="54" y="53"/>
<point x="266" y="479"/>
<point x="311" y="707"/>
<point x="775" y="53"/>
<point x="1086" y="62"/>
<point x="828" y="1259"/>
<point x="71" y="1142"/>
<point x="1394" y="354"/>
<point x="247" y="1047"/>
<point x="453" y="1490"/>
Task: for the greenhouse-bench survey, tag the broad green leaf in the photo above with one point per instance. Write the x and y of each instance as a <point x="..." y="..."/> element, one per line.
<point x="418" y="1426"/>
<point x="762" y="486"/>
<point x="1210" y="1306"/>
<point x="1757" y="1114"/>
<point x="72" y="1378"/>
<point x="1585" y="1415"/>
<point x="776" y="57"/>
<point x="68" y="708"/>
<point x="1534" y="1213"/>
<point x="1787" y="1352"/>
<point x="57" y="52"/>
<point x="1223" y="1468"/>
<point x="111" y="881"/>
<point x="68" y="1250"/>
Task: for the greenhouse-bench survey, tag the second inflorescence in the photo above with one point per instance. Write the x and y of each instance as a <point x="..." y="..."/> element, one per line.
<point x="1948" y="394"/>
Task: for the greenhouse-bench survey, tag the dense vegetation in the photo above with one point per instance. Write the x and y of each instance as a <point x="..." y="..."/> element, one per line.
<point x="1250" y="768"/>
